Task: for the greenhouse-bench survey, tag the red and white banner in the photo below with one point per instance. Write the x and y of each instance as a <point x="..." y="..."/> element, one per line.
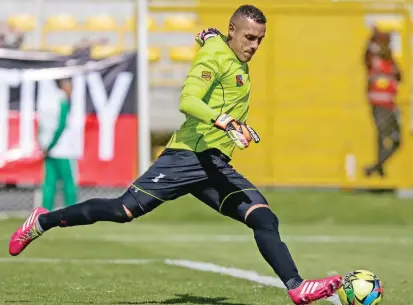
<point x="103" y="102"/>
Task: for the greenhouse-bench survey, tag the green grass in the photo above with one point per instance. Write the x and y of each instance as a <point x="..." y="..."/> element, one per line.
<point x="186" y="229"/>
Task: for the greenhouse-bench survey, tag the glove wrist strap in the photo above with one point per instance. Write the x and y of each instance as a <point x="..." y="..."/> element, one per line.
<point x="223" y="121"/>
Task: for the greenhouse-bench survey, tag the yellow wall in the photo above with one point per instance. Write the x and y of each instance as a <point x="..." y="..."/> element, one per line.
<point x="308" y="100"/>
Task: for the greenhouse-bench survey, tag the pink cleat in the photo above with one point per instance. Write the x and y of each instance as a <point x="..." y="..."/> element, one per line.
<point x="26" y="233"/>
<point x="313" y="290"/>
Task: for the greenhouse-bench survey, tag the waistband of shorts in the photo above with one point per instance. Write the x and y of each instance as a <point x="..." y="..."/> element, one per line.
<point x="216" y="152"/>
<point x="212" y="151"/>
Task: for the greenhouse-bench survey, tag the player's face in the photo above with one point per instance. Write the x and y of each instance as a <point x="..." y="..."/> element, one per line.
<point x="66" y="86"/>
<point x="246" y="36"/>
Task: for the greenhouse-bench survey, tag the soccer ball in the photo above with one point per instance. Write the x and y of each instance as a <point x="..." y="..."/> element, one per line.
<point x="361" y="287"/>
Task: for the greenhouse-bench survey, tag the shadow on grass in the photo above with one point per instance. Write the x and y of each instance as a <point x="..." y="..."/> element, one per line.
<point x="186" y="299"/>
<point x="178" y="299"/>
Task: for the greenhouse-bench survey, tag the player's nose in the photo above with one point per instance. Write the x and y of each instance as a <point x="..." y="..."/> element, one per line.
<point x="254" y="46"/>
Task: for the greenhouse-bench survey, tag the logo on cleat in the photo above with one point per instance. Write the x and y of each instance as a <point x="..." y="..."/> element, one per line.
<point x="309" y="288"/>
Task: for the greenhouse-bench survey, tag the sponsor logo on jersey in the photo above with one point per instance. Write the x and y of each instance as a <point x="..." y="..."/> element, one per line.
<point x="206" y="75"/>
<point x="239" y="81"/>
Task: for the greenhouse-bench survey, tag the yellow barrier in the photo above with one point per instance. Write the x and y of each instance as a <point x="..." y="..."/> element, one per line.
<point x="308" y="93"/>
<point x="308" y="98"/>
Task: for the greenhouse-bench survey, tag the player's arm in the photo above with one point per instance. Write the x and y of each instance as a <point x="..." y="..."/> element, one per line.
<point x="240" y="133"/>
<point x="201" y="77"/>
<point x="397" y="72"/>
<point x="203" y="74"/>
<point x="63" y="114"/>
<point x="371" y="48"/>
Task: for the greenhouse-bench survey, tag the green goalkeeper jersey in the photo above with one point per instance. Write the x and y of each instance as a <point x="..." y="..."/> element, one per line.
<point x="216" y="83"/>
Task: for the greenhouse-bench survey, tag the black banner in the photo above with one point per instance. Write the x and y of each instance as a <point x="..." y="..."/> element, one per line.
<point x="102" y="112"/>
<point x="94" y="82"/>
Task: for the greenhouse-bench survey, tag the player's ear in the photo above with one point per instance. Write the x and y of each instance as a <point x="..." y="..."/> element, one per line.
<point x="231" y="29"/>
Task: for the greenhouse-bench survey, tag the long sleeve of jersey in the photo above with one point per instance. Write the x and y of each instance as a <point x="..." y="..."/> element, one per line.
<point x="203" y="74"/>
<point x="216" y="83"/>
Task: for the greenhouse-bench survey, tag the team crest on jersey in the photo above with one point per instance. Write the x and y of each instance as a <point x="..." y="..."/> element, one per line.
<point x="239" y="80"/>
<point x="206" y="75"/>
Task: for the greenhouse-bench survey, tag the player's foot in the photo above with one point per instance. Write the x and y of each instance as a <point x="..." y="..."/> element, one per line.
<point x="313" y="290"/>
<point x="368" y="171"/>
<point x="26" y="233"/>
<point x="380" y="170"/>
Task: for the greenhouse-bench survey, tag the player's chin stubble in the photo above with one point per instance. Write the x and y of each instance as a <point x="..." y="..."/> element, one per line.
<point x="246" y="58"/>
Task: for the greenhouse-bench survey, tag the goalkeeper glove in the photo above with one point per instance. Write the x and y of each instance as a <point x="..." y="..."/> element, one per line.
<point x="202" y="36"/>
<point x="240" y="133"/>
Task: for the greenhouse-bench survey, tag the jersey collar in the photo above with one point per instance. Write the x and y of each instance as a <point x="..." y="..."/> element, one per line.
<point x="225" y="41"/>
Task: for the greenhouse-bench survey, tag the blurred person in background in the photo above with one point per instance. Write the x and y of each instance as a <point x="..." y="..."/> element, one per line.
<point x="55" y="139"/>
<point x="382" y="83"/>
<point x="10" y="38"/>
<point x="83" y="48"/>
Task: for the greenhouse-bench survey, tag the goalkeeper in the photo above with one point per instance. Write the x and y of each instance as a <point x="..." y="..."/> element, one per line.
<point x="215" y="100"/>
<point x="55" y="139"/>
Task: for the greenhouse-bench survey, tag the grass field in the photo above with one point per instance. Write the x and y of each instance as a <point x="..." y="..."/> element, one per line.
<point x="138" y="262"/>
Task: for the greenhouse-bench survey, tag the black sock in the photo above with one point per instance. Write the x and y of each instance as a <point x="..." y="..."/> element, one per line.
<point x="294" y="283"/>
<point x="265" y="225"/>
<point x="85" y="213"/>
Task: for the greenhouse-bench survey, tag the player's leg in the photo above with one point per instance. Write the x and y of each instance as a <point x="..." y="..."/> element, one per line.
<point x="250" y="207"/>
<point x="379" y="121"/>
<point x="49" y="184"/>
<point x="165" y="180"/>
<point x="265" y="225"/>
<point x="85" y="213"/>
<point x="231" y="194"/>
<point x="68" y="177"/>
<point x="388" y="134"/>
<point x="157" y="185"/>
<point x="389" y="130"/>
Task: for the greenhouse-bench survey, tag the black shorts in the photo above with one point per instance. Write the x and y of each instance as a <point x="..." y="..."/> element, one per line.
<point x="207" y="175"/>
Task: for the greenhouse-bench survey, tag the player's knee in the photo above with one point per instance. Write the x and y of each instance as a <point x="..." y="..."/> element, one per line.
<point x="128" y="213"/>
<point x="262" y="218"/>
<point x="131" y="206"/>
<point x="254" y="207"/>
<point x="118" y="211"/>
<point x="99" y="209"/>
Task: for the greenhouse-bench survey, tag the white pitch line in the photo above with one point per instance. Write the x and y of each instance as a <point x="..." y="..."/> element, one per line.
<point x="350" y="239"/>
<point x="249" y="275"/>
<point x="309" y="239"/>
<point x="234" y="272"/>
<point x="237" y="273"/>
<point x="77" y="261"/>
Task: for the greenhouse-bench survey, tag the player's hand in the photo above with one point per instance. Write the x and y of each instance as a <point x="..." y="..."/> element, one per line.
<point x="240" y="133"/>
<point x="204" y="35"/>
<point x="42" y="152"/>
<point x="253" y="135"/>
